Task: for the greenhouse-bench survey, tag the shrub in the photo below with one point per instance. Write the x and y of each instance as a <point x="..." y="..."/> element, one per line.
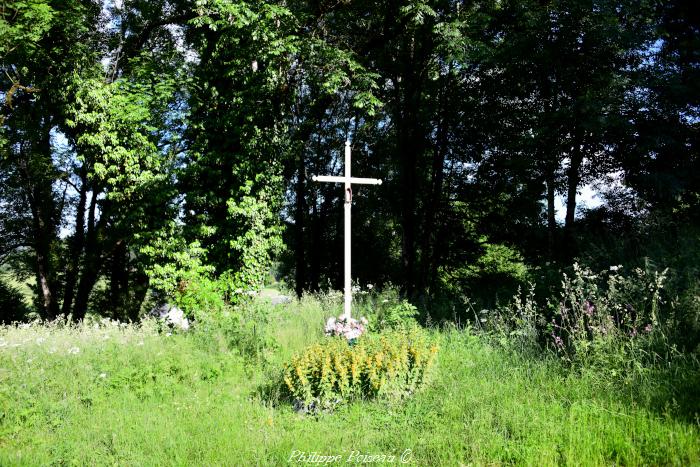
<point x="12" y="306"/>
<point x="386" y="309"/>
<point x="393" y="366"/>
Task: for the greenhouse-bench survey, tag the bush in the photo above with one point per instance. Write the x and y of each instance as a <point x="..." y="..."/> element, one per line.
<point x="393" y="366"/>
<point x="12" y="306"/>
<point x="386" y="309"/>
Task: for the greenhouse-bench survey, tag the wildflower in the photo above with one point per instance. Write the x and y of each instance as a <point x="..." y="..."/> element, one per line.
<point x="103" y="375"/>
<point x="558" y="341"/>
<point x="370" y="286"/>
<point x="648" y="328"/>
<point x="74" y="350"/>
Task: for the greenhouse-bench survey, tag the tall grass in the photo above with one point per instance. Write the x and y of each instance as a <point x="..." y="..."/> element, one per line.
<point x="103" y="393"/>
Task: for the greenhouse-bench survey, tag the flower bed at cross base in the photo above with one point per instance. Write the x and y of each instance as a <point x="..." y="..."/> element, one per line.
<point x="392" y="365"/>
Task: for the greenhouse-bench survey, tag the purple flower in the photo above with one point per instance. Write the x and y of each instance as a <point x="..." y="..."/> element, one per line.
<point x="589" y="308"/>
<point x="558" y="342"/>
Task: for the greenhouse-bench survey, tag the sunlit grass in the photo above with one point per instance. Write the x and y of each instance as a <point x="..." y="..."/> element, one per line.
<point x="133" y="396"/>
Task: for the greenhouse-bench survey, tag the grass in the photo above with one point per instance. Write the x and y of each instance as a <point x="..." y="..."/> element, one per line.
<point x="109" y="394"/>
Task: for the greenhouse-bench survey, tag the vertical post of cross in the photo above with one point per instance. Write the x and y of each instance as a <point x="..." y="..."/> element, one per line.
<point x="348" y="206"/>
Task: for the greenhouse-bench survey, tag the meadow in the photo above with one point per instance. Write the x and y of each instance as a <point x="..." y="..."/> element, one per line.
<point x="104" y="393"/>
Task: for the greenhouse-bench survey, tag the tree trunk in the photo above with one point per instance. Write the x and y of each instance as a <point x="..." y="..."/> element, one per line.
<point x="76" y="248"/>
<point x="140" y="287"/>
<point x="43" y="227"/>
<point x="435" y="199"/>
<point x="90" y="269"/>
<point x="551" y="219"/>
<point x="300" y="271"/>
<point x="573" y="180"/>
<point x="409" y="147"/>
<point x="119" y="278"/>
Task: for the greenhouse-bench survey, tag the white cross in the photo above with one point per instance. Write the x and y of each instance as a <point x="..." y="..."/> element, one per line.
<point x="348" y="181"/>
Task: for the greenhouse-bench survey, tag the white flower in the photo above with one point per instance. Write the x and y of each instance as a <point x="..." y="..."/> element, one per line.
<point x="614" y="268"/>
<point x="103" y="375"/>
<point x="370" y="286"/>
<point x="73" y="350"/>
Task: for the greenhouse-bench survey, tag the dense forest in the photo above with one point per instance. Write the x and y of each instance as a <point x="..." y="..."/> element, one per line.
<point x="163" y="150"/>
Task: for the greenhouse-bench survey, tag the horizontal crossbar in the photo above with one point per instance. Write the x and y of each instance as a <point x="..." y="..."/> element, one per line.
<point x="360" y="181"/>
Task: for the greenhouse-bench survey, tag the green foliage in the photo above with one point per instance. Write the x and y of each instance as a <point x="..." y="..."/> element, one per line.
<point x="115" y="138"/>
<point x="387" y="310"/>
<point x="394" y="365"/>
<point x="177" y="273"/>
<point x="260" y="239"/>
<point x="496" y="269"/>
<point x="23" y="24"/>
<point x="12" y="305"/>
